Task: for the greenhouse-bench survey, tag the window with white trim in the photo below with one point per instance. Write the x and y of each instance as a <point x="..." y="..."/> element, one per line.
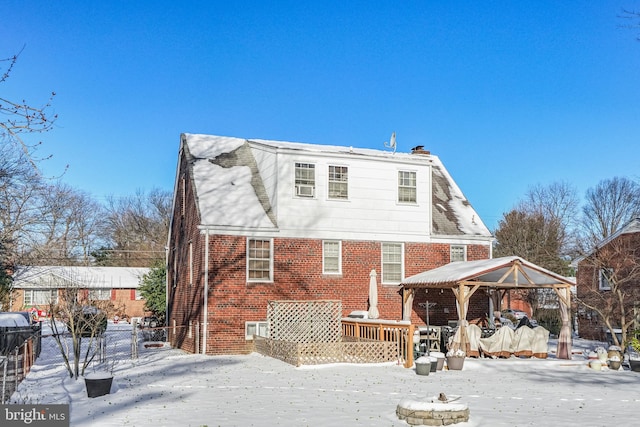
<point x="458" y="253"/>
<point x="138" y="295"/>
<point x="338" y="182"/>
<point x="332" y="257"/>
<point x="260" y="329"/>
<point x="392" y="256"/>
<point x="604" y="279"/>
<point x="101" y="294"/>
<point x="407" y="187"/>
<point x="305" y="180"/>
<point x="40" y="296"/>
<point x="260" y="260"/>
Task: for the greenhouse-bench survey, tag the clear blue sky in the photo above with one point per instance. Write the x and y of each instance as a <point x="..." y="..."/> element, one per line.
<point x="507" y="93"/>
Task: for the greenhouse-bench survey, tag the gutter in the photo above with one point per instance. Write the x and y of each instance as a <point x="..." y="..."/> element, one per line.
<point x="206" y="293"/>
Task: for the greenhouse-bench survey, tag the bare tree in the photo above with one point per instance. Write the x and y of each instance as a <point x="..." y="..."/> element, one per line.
<point x="558" y="203"/>
<point x="70" y="224"/>
<point x="78" y="322"/>
<point x="534" y="237"/>
<point x="609" y="205"/>
<point x="136" y="228"/>
<point x="19" y="193"/>
<point x="609" y="284"/>
<point x="21" y="118"/>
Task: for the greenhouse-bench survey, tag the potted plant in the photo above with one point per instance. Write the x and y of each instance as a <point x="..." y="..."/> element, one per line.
<point x="98" y="383"/>
<point x="455" y="359"/>
<point x="423" y="365"/>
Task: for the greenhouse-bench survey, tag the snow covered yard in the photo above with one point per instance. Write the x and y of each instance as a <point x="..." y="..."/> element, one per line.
<point x="167" y="387"/>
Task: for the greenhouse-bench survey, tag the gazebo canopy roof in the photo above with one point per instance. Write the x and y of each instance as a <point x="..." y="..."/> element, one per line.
<point x="507" y="273"/>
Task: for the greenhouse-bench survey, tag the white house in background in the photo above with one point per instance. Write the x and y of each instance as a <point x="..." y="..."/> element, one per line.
<point x="256" y="220"/>
<point x="35" y="287"/>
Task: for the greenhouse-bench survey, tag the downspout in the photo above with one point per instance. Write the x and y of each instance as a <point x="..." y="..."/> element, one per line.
<point x="206" y="293"/>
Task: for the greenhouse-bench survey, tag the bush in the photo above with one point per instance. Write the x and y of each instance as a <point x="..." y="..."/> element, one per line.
<point x="89" y="322"/>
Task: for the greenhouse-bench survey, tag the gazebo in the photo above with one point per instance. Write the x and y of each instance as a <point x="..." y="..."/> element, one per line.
<point x="464" y="278"/>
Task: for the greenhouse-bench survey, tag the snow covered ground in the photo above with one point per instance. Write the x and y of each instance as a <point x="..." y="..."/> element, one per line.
<point x="167" y="387"/>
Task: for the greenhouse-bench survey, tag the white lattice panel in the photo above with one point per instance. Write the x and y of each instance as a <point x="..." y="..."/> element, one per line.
<point x="305" y="321"/>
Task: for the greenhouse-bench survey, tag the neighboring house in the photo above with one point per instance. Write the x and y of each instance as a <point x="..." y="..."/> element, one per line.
<point x="34" y="288"/>
<point x="255" y="221"/>
<point x="615" y="258"/>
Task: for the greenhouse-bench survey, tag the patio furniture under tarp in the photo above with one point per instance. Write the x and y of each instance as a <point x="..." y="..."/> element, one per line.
<point x="474" y="332"/>
<point x="498" y="344"/>
<point x="464" y="278"/>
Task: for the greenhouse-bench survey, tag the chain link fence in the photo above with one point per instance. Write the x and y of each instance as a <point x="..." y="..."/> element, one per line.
<point x="19" y="349"/>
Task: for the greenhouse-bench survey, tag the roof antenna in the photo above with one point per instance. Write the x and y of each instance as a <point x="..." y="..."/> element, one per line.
<point x="392" y="142"/>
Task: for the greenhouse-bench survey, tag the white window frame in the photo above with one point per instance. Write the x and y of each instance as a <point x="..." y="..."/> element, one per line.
<point x="329" y="255"/>
<point x="304" y="186"/>
<point x="45" y="296"/>
<point x="338" y="179"/>
<point x="386" y="262"/>
<point x="407" y="180"/>
<point x="98" y="294"/>
<point x="604" y="284"/>
<point x="251" y="258"/>
<point x="455" y="248"/>
<point x="261" y="329"/>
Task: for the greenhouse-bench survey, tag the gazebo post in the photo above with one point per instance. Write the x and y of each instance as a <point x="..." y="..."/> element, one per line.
<point x="564" y="339"/>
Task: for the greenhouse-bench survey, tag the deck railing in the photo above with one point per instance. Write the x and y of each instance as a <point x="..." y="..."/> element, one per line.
<point x="399" y="332"/>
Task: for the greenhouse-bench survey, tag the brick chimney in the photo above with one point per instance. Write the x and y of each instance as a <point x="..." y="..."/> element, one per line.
<point x="419" y="149"/>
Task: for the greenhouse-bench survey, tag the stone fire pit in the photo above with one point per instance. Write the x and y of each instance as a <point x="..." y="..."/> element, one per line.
<point x="433" y="411"/>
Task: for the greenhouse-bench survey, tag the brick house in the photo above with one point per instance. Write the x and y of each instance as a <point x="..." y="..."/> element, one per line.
<point x="616" y="258"/>
<point x="255" y="221"/>
<point x="35" y="287"/>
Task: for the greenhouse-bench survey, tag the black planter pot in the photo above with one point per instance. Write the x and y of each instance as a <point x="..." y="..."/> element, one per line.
<point x="98" y="386"/>
<point x="634" y="365"/>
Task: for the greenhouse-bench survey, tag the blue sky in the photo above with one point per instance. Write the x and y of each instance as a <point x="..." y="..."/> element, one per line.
<point x="507" y="94"/>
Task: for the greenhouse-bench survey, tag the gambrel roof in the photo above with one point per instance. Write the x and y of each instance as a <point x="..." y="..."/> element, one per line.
<point x="230" y="190"/>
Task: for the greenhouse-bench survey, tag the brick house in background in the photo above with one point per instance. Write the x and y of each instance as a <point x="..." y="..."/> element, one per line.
<point x="35" y="287"/>
<point x="255" y="221"/>
<point x="617" y="255"/>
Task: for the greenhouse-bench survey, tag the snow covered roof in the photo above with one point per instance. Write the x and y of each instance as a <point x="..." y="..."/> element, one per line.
<point x="499" y="272"/>
<point x="631" y="227"/>
<point x="84" y="277"/>
<point x="230" y="191"/>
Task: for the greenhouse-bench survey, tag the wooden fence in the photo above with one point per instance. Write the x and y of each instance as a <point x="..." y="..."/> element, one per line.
<point x="400" y="333"/>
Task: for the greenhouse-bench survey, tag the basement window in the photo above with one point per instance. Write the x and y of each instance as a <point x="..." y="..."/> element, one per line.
<point x="260" y="329"/>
